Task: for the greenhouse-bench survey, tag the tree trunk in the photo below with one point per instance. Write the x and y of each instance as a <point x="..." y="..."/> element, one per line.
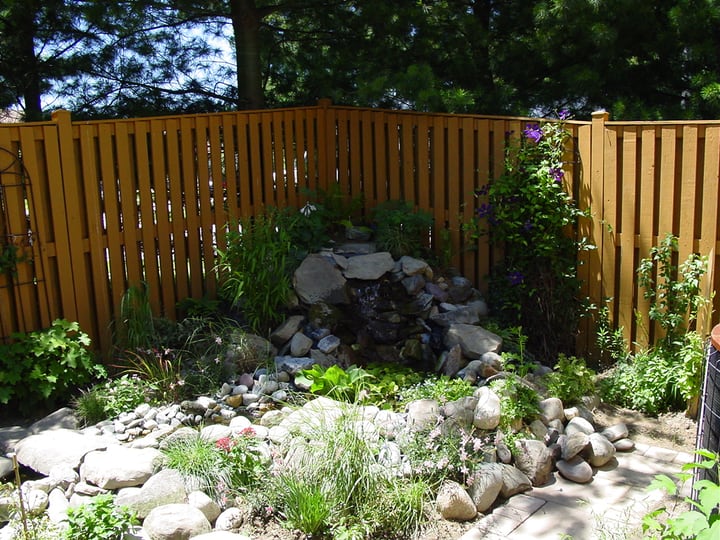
<point x="246" y="18"/>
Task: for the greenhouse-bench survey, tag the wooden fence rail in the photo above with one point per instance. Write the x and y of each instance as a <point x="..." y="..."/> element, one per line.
<point x="94" y="207"/>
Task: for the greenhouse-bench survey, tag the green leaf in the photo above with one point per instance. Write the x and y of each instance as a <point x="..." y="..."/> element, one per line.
<point x="664" y="483"/>
<point x="688" y="524"/>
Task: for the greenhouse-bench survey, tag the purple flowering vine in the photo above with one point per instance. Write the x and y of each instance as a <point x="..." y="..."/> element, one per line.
<point x="533" y="132"/>
<point x="557" y="174"/>
<point x="515" y="278"/>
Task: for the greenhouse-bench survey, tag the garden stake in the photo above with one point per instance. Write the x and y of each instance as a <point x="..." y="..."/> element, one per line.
<point x="23" y="517"/>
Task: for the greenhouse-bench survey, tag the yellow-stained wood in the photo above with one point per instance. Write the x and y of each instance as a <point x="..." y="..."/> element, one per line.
<point x="368" y="159"/>
<point x="627" y="200"/>
<point x="423" y="164"/>
<point x="466" y="201"/>
<point x="453" y="184"/>
<point x="596" y="198"/>
<point x="48" y="302"/>
<point x="132" y="199"/>
<point x="111" y="203"/>
<point x="710" y="224"/>
<point x="343" y="158"/>
<point x="177" y="210"/>
<point x="438" y="173"/>
<point x="96" y="232"/>
<point x="14" y="232"/>
<point x="161" y="187"/>
<point x="291" y="159"/>
<point x="380" y="191"/>
<point x="193" y="150"/>
<point x="62" y="262"/>
<point x="394" y="187"/>
<point x="278" y="164"/>
<point x="208" y="145"/>
<point x="646" y="221"/>
<point x="407" y="167"/>
<point x="585" y="341"/>
<point x="146" y="221"/>
<point x="688" y="193"/>
<point x="482" y="245"/>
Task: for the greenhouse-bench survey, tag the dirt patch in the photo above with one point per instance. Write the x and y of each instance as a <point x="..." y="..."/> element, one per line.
<point x="673" y="430"/>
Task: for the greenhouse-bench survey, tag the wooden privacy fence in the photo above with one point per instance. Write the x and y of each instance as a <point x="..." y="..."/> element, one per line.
<point x="94" y="207"/>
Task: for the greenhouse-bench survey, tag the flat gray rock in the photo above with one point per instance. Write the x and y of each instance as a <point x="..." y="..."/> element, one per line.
<point x="44" y="451"/>
<point x="369" y="267"/>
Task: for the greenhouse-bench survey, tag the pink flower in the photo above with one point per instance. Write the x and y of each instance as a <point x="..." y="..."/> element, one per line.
<point x="225" y="443"/>
<point x="247" y="432"/>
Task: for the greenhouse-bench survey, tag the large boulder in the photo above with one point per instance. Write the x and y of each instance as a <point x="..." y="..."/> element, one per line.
<point x="119" y="466"/>
<point x="318" y="279"/>
<point x="165" y="487"/>
<point x="473" y="340"/>
<point x="176" y="522"/>
<point x="58" y="447"/>
<point x="454" y="503"/>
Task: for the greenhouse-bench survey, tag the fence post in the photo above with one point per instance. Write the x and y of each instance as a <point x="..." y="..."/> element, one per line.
<point x="596" y="189"/>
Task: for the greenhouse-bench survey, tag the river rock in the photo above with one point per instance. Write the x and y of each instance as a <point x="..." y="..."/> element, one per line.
<point x="486" y="484"/>
<point x="175" y="522"/>
<point x="535" y="460"/>
<point x="454" y="503"/>
<point x="487" y="411"/>
<point x="165" y="487"/>
<point x="119" y="466"/>
<point x="575" y="469"/>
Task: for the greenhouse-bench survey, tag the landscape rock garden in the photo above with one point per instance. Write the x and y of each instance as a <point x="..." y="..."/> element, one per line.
<point x="354" y="306"/>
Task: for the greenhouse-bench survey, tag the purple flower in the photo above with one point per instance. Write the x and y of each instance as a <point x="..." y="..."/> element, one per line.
<point x="515" y="278"/>
<point x="484" y="210"/>
<point x="482" y="190"/>
<point x="564" y="114"/>
<point x="557" y="174"/>
<point x="533" y="132"/>
<point x="528" y="225"/>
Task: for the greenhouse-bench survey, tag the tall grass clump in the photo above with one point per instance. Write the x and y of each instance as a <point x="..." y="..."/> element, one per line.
<point x="332" y="485"/>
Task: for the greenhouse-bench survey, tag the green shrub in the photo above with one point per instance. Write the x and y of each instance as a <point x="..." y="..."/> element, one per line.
<point x="518" y="401"/>
<point x="222" y="469"/>
<point x="110" y="398"/>
<point x="134" y="328"/>
<point x="160" y="369"/>
<point x="200" y="463"/>
<point x="668" y="374"/>
<point x="400" y="229"/>
<point x="442" y="389"/>
<point x="255" y="268"/>
<point x="335" y="382"/>
<point x="46" y="365"/>
<point x="645" y="382"/>
<point x="100" y="519"/>
<point x="436" y="454"/>
<point x="673" y="292"/>
<point x="570" y="380"/>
